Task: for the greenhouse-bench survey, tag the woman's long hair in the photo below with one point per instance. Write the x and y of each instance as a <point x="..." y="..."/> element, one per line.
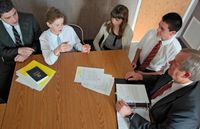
<point x="120" y="12"/>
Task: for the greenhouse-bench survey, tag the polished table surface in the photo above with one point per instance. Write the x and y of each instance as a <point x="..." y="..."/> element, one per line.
<point x="64" y="104"/>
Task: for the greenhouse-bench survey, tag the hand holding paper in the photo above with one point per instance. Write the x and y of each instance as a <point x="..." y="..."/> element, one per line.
<point x="123" y="108"/>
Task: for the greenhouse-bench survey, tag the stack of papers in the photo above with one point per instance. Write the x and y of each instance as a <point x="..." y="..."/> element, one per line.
<point x="25" y="79"/>
<point x="132" y="93"/>
<point x="94" y="79"/>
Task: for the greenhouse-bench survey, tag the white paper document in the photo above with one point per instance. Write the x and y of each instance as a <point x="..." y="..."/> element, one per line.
<point x="103" y="85"/>
<point x="135" y="93"/>
<point x="94" y="79"/>
<point x="27" y="81"/>
<point x="132" y="93"/>
<point x="86" y="73"/>
<point x="122" y="123"/>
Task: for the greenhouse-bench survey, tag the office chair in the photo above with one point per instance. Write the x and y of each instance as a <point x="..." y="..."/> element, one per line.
<point x="79" y="32"/>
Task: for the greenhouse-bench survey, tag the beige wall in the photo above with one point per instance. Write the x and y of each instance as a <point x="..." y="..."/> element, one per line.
<point x="89" y="14"/>
<point x="151" y="11"/>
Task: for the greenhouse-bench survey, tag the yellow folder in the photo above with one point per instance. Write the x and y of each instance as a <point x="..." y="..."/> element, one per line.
<point x="50" y="72"/>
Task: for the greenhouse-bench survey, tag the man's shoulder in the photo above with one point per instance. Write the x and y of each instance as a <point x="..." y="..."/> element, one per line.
<point x="26" y="18"/>
<point x="176" y="44"/>
<point x="148" y="37"/>
<point x="150" y="34"/>
<point x="1" y="24"/>
<point x="25" y="15"/>
<point x="196" y="84"/>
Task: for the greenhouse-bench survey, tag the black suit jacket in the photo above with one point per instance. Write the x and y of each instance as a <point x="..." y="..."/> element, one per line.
<point x="179" y="110"/>
<point x="9" y="50"/>
<point x="30" y="32"/>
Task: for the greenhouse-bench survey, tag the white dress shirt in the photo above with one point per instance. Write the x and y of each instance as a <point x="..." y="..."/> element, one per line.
<point x="49" y="43"/>
<point x="167" y="52"/>
<point x="8" y="28"/>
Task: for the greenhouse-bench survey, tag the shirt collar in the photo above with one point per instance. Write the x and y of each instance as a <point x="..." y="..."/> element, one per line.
<point x="8" y="25"/>
<point x="182" y="85"/>
<point x="52" y="34"/>
<point x="166" y="42"/>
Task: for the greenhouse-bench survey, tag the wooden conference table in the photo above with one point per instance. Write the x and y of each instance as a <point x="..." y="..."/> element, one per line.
<point x="64" y="104"/>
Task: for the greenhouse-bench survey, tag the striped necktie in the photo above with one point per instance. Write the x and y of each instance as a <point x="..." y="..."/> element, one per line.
<point x="150" y="57"/>
<point x="162" y="89"/>
<point x="17" y="37"/>
<point x="58" y="39"/>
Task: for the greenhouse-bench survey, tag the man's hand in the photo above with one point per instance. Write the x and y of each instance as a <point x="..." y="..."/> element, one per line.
<point x="86" y="48"/>
<point x="123" y="108"/>
<point x="25" y="51"/>
<point x="133" y="76"/>
<point x="20" y="58"/>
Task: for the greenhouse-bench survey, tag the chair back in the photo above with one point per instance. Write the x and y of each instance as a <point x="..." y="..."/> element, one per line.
<point x="79" y="32"/>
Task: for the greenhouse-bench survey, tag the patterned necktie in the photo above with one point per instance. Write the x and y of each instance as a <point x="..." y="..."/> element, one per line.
<point x="150" y="57"/>
<point x="17" y="37"/>
<point x="161" y="90"/>
<point x="58" y="39"/>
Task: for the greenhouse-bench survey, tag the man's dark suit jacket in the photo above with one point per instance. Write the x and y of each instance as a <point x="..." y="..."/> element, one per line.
<point x="179" y="110"/>
<point x="30" y="33"/>
<point x="8" y="49"/>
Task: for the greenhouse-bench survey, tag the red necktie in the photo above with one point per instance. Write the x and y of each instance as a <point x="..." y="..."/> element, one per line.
<point x="150" y="57"/>
<point x="161" y="90"/>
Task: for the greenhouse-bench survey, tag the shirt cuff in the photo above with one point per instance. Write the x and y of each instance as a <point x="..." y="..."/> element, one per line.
<point x="130" y="116"/>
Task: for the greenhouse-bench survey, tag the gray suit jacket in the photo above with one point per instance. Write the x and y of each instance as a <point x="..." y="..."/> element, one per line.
<point x="30" y="32"/>
<point x="179" y="110"/>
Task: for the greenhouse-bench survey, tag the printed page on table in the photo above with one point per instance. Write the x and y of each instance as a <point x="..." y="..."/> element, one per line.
<point x="103" y="86"/>
<point x="86" y="73"/>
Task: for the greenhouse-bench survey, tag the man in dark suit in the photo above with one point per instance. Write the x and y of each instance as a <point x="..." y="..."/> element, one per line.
<point x="19" y="38"/>
<point x="176" y="107"/>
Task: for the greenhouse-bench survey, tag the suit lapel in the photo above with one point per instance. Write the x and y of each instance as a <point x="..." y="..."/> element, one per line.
<point x="5" y="35"/>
